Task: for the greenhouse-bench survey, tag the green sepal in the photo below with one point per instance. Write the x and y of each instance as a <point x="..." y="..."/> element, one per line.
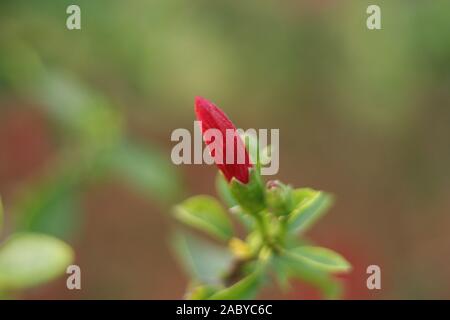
<point x="250" y="196"/>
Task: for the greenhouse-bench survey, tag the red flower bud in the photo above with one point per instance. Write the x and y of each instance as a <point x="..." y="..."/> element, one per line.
<point x="212" y="117"/>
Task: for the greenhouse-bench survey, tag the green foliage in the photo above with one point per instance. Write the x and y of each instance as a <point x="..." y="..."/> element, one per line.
<point x="287" y="268"/>
<point x="310" y="206"/>
<point x="201" y="292"/>
<point x="204" y="261"/>
<point x="279" y="198"/>
<point x="250" y="196"/>
<point x="320" y="258"/>
<point x="93" y="130"/>
<point x="225" y="195"/>
<point x="93" y="144"/>
<point x="51" y="206"/>
<point x="246" y="288"/>
<point x="205" y="213"/>
<point x="273" y="217"/>
<point x="28" y="259"/>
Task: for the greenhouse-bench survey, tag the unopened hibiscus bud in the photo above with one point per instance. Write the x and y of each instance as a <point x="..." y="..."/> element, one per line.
<point x="229" y="153"/>
<point x="279" y="197"/>
<point x="244" y="180"/>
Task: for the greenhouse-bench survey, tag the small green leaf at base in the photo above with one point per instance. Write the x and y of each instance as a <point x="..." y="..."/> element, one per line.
<point x="244" y="289"/>
<point x="287" y="269"/>
<point x="206" y="214"/>
<point x="320" y="258"/>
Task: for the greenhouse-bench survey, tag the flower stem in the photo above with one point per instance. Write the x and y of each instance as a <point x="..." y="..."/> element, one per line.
<point x="262" y="226"/>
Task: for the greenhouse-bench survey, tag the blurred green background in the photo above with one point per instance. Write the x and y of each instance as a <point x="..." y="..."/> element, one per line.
<point x="86" y="117"/>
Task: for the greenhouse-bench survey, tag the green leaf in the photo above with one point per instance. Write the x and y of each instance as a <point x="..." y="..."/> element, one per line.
<point x="147" y="169"/>
<point x="30" y="259"/>
<point x="287" y="268"/>
<point x="320" y="258"/>
<point x="200" y="292"/>
<point x="310" y="205"/>
<point x="206" y="214"/>
<point x="244" y="289"/>
<point x="203" y="261"/>
<point x="223" y="190"/>
<point x="281" y="273"/>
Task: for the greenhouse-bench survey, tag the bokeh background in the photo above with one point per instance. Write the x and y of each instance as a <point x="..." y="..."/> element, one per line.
<point x="86" y="117"/>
